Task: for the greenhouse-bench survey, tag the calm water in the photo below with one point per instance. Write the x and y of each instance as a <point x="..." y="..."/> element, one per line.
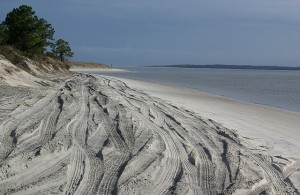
<point x="274" y="88"/>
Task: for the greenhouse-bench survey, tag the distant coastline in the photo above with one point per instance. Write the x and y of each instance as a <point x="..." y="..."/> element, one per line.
<point x="222" y="66"/>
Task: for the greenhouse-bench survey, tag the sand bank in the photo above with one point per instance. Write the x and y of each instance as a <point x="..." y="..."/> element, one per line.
<point x="270" y="128"/>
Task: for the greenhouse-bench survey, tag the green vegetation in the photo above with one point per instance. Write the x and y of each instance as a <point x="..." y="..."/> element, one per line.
<point x="32" y="35"/>
<point x="61" y="50"/>
<point x="86" y="65"/>
<point x="26" y="32"/>
<point x="3" y="34"/>
<point x="17" y="57"/>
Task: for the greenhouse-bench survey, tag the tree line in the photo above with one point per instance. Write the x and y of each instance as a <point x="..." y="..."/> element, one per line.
<point x="25" y="31"/>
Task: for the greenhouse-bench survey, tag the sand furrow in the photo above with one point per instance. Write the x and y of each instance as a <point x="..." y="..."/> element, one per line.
<point x="291" y="169"/>
<point x="171" y="163"/>
<point x="75" y="170"/>
<point x="86" y="169"/>
<point x="9" y="129"/>
<point x="277" y="184"/>
<point x="22" y="180"/>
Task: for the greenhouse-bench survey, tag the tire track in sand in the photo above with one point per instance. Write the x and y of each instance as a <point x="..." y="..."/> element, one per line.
<point x="99" y="136"/>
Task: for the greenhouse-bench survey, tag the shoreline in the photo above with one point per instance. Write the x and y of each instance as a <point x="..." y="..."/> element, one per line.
<point x="271" y="128"/>
<point x="202" y="92"/>
<point x="242" y="97"/>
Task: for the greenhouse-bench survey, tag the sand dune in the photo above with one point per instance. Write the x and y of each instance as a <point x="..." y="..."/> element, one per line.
<point x="15" y="76"/>
<point x="100" y="136"/>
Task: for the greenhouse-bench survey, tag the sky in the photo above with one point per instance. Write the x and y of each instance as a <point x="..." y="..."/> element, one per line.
<point x="164" y="32"/>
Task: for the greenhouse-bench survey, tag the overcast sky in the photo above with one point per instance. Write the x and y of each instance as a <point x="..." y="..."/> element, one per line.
<point x="156" y="32"/>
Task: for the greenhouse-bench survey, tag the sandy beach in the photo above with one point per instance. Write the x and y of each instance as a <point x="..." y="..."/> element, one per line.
<point x="102" y="135"/>
<point x="270" y="128"/>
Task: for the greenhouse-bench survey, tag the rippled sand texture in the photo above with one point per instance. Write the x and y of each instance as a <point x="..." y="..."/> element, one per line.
<point x="98" y="136"/>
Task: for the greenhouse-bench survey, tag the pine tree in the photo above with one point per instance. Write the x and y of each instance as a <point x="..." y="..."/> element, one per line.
<point x="26" y="31"/>
<point x="62" y="50"/>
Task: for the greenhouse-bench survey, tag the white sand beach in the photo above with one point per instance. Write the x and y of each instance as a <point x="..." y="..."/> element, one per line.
<point x="270" y="129"/>
<point x="103" y="135"/>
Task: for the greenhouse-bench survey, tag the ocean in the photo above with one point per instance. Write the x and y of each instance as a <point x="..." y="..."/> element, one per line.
<point x="274" y="88"/>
